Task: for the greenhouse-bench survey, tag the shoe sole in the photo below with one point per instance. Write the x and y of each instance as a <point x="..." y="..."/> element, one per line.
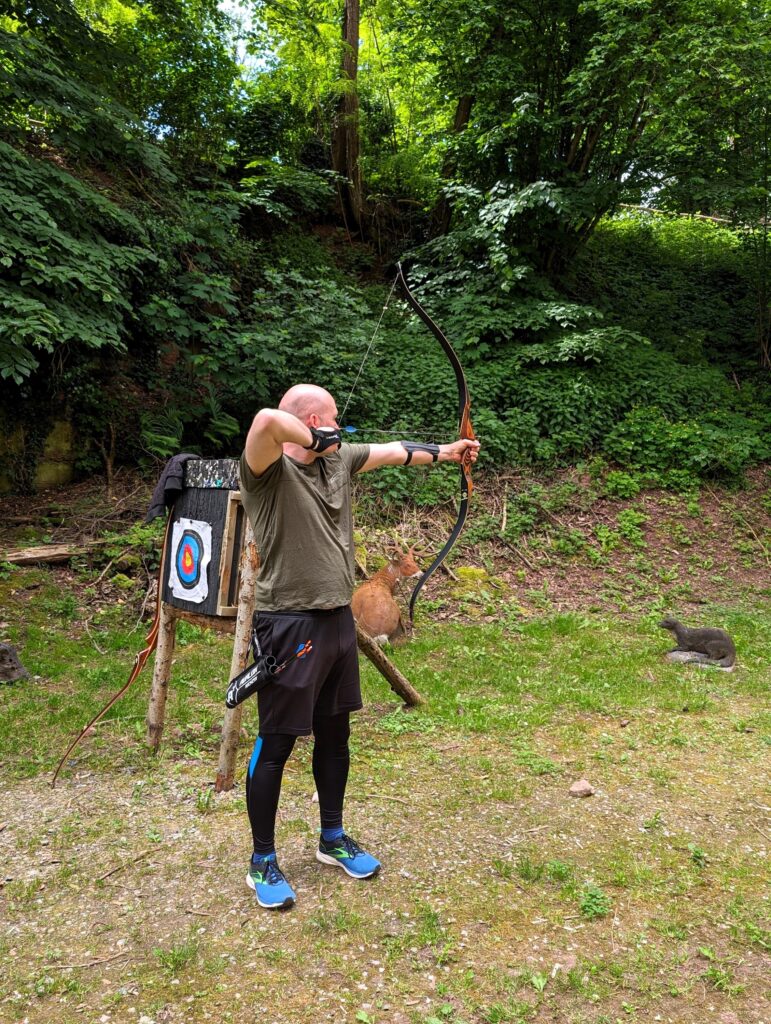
<point x="324" y="858"/>
<point x="285" y="905"/>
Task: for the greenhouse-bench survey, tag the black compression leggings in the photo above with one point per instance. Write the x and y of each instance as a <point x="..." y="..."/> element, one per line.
<point x="331" y="760"/>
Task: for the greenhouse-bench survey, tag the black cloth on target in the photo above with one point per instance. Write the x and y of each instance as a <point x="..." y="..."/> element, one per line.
<point x="170" y="485"/>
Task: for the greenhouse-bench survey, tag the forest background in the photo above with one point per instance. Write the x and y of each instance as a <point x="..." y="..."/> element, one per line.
<point x="201" y="206"/>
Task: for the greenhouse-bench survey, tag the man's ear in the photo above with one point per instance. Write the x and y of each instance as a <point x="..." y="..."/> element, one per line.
<point x="313" y="420"/>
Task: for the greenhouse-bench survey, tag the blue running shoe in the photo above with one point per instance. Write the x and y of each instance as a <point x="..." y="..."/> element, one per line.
<point x="349" y="856"/>
<point x="270" y="887"/>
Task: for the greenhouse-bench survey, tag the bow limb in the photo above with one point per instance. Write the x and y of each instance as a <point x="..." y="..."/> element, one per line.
<point x="139" y="663"/>
<point x="465" y="430"/>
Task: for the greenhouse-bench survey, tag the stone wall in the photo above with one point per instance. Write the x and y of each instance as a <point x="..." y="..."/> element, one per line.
<point x="54" y="466"/>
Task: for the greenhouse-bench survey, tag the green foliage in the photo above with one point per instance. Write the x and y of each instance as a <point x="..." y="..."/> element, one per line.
<point x="646" y="439"/>
<point x="178" y="956"/>
<point x="618" y="484"/>
<point x="284" y="192"/>
<point x="594" y="903"/>
<point x="698" y="856"/>
<point x="69" y="264"/>
<point x="178" y="69"/>
<point x="683" y="283"/>
<point x="157" y="272"/>
<point x="562" y="382"/>
<point x="630" y="522"/>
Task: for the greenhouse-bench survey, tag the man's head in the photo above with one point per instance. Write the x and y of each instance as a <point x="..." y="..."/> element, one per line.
<point x="314" y="406"/>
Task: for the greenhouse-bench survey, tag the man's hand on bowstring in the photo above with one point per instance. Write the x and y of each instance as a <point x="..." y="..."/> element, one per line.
<point x="325" y="440"/>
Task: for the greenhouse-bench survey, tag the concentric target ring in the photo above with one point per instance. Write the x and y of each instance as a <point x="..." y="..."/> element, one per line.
<point x="188" y="557"/>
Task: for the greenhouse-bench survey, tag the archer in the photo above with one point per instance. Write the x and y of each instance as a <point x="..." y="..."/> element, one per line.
<point x="296" y="489"/>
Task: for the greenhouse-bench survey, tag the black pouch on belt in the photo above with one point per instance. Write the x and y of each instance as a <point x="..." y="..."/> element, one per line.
<point x="255" y="676"/>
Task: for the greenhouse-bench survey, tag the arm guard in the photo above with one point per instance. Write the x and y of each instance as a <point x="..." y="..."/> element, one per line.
<point x="417" y="446"/>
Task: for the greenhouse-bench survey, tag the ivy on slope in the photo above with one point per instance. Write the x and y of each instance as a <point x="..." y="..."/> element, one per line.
<point x="118" y="280"/>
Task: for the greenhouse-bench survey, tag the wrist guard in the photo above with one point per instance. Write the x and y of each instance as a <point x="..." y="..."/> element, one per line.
<point x="417" y="446"/>
<point x="323" y="438"/>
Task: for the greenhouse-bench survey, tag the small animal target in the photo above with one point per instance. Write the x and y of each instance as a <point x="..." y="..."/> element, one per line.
<point x="191" y="544"/>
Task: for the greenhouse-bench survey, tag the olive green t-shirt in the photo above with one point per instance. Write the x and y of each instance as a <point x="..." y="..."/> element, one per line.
<point x="303" y="528"/>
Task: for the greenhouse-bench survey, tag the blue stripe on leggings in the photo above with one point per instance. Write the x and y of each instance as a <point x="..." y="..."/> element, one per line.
<point x="255" y="755"/>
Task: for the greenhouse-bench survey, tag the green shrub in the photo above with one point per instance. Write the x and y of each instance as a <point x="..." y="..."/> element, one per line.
<point x="646" y="439"/>
<point x="618" y="484"/>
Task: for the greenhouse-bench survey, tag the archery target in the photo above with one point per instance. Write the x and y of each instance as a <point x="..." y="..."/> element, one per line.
<point x="189" y="552"/>
<point x="191" y="544"/>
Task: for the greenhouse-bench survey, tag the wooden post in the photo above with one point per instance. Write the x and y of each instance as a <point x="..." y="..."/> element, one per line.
<point x="398" y="683"/>
<point x="156" y="709"/>
<point x="231" y="726"/>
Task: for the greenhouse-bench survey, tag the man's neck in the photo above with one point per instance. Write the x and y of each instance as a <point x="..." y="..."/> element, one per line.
<point x="299" y="454"/>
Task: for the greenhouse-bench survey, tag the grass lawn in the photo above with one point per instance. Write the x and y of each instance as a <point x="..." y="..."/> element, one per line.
<point x="501" y="897"/>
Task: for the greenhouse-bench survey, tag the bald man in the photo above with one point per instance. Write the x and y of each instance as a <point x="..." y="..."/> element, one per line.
<point x="296" y="490"/>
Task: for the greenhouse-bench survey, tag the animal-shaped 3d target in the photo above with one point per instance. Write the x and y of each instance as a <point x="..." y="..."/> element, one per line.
<point x="191" y="551"/>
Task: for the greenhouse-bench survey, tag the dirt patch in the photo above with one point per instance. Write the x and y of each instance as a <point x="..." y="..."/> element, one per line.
<point x="124" y="900"/>
<point x="581" y="551"/>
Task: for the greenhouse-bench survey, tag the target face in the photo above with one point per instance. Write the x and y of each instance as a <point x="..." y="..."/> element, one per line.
<point x="189" y="555"/>
<point x="191" y="544"/>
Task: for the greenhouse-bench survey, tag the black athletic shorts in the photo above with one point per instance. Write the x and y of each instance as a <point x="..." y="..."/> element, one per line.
<point x="324" y="682"/>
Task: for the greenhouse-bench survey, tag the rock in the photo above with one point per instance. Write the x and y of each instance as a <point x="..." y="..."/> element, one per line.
<point x="565" y="963"/>
<point x="11" y="669"/>
<point x="624" y="723"/>
<point x="581" y="788"/>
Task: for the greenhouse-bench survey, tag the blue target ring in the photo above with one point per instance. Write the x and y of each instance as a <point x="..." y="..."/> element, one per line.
<point x="188" y="559"/>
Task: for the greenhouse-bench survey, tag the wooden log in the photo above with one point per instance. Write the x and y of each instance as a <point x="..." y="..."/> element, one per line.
<point x="231" y="726"/>
<point x="156" y="709"/>
<point x="398" y="683"/>
<point x="48" y="553"/>
<point x="214" y="622"/>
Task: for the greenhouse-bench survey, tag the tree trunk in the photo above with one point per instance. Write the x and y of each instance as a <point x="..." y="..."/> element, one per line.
<point x="164" y="652"/>
<point x="442" y="212"/>
<point x="398" y="683"/>
<point x="231" y="726"/>
<point x="762" y="257"/>
<point x="345" y="136"/>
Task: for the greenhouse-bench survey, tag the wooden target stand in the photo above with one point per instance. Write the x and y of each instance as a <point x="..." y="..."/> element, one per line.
<point x="212" y="496"/>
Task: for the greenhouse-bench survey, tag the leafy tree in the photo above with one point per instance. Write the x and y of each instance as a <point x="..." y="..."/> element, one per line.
<point x="177" y="69"/>
<point x="70" y="253"/>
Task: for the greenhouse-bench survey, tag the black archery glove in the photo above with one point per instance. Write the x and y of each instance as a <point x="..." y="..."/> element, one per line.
<point x="323" y="438"/>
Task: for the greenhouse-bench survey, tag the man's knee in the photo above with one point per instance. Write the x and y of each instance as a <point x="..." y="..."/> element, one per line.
<point x="332" y="730"/>
<point x="274" y="750"/>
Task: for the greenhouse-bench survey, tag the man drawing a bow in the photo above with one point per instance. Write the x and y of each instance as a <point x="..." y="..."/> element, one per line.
<point x="296" y="490"/>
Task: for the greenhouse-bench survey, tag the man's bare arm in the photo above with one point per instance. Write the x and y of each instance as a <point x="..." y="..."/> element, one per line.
<point x="271" y="429"/>
<point x="394" y="454"/>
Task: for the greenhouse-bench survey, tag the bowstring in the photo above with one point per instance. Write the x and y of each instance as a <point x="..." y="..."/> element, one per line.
<point x="341" y="417"/>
